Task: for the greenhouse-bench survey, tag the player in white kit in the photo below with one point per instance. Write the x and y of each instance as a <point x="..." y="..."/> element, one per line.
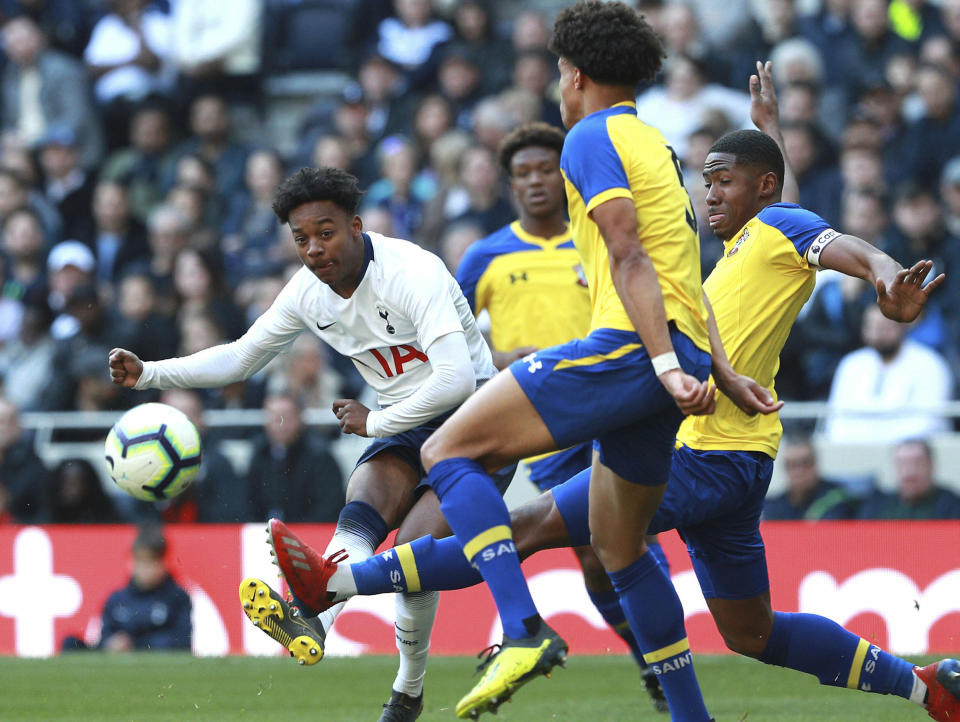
<point x="393" y="309"/>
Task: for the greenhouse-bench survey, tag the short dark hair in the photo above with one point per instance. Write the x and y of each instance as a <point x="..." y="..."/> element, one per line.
<point x="751" y="147"/>
<point x="609" y="42"/>
<point x="151" y="540"/>
<point x="529" y="135"/>
<point x="317" y="184"/>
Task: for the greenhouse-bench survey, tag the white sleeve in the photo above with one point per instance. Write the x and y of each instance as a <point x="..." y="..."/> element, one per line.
<point x="231" y="362"/>
<point x="451" y="381"/>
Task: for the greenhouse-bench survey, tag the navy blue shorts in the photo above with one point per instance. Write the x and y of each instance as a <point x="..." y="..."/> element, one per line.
<point x="549" y="470"/>
<point x="603" y="388"/>
<point x="407" y="444"/>
<point x="714" y="500"/>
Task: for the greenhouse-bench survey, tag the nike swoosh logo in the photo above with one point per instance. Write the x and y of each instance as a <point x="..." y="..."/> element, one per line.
<point x="324" y="328"/>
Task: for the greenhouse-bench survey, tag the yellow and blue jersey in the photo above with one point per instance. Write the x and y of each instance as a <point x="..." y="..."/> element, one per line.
<point x="612" y="154"/>
<point x="532" y="287"/>
<point x="536" y="294"/>
<point x="757" y="289"/>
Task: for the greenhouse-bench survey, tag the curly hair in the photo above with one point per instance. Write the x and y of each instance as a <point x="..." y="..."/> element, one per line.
<point x="609" y="42"/>
<point x="751" y="147"/>
<point x="317" y="184"/>
<point x="529" y="135"/>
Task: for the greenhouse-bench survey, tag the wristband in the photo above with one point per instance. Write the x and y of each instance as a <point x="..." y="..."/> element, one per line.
<point x="665" y="362"/>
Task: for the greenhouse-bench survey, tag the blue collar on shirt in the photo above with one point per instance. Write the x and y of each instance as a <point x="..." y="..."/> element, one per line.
<point x="367" y="256"/>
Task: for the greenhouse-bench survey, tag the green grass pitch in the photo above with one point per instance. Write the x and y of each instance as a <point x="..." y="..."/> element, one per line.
<point x="84" y="687"/>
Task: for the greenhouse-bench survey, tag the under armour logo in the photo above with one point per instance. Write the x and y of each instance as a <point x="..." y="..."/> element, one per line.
<point x="518" y="277"/>
<point x="533" y="365"/>
<point x="383" y="314"/>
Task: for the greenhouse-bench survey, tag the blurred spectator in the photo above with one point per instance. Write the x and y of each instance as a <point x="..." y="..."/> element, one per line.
<point x="216" y="46"/>
<point x="432" y="118"/>
<point x="304" y="372"/>
<point x="152" y="612"/>
<point x="23" y="249"/>
<point x="167" y="235"/>
<point x="681" y="105"/>
<point x="829" y="26"/>
<point x="292" y="475"/>
<point x="723" y="25"/>
<point x="26" y="362"/>
<point x="68" y="187"/>
<point x="474" y="27"/>
<point x="937" y="129"/>
<point x="198" y="282"/>
<point x="860" y="58"/>
<point x="918" y="496"/>
<point x="69" y="266"/>
<point x="889" y="389"/>
<point x="381" y="87"/>
<point x="21" y="471"/>
<point x="914" y="20"/>
<point x="950" y="195"/>
<point x="66" y="23"/>
<point x="127" y="52"/>
<point x="330" y="151"/>
<point x="43" y="86"/>
<point x="76" y="355"/>
<point x="496" y="115"/>
<point x="482" y="199"/>
<point x="144" y="165"/>
<point x="530" y="31"/>
<point x="410" y="38"/>
<point x="249" y="245"/>
<point x="458" y="78"/>
<point x="201" y="214"/>
<point x="217" y="494"/>
<point x="919" y="232"/>
<point x="808" y="496"/>
<point x="76" y="495"/>
<point x="774" y="24"/>
<point x="534" y="72"/>
<point x="212" y="141"/>
<point x="455" y="242"/>
<point x="809" y="153"/>
<point x="401" y="190"/>
<point x="950" y="19"/>
<point x="117" y="239"/>
<point x="149" y="334"/>
<point x="15" y="193"/>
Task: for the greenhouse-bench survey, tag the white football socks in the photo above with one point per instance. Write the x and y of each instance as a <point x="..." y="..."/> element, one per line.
<point x="358" y="548"/>
<point x="415" y="612"/>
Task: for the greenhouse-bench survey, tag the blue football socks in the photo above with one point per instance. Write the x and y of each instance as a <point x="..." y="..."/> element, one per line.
<point x="481" y="523"/>
<point x="424" y="563"/>
<point x="653" y="609"/>
<point x="838" y="658"/>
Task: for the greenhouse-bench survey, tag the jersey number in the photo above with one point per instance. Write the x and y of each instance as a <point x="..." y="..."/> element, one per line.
<point x="688" y="212"/>
<point x="401" y="354"/>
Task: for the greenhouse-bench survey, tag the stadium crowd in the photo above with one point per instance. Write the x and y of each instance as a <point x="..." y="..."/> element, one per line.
<point x="140" y="151"/>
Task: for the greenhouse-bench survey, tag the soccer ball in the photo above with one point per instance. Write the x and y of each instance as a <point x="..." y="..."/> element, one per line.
<point x="153" y="452"/>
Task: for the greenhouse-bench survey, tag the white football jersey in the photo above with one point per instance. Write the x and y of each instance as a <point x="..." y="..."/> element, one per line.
<point x="405" y="301"/>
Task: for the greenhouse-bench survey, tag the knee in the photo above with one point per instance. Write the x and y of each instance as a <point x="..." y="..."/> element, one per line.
<point x="432" y="452"/>
<point x="594" y="575"/>
<point x="750" y="640"/>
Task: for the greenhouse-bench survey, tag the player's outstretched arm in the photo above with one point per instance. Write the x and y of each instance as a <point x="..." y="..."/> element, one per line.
<point x="125" y="367"/>
<point x="901" y="292"/>
<point x="765" y="114"/>
<point x="749" y="396"/>
<point x="636" y="282"/>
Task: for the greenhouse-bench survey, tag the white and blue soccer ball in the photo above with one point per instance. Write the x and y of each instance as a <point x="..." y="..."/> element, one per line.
<point x="153" y="452"/>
